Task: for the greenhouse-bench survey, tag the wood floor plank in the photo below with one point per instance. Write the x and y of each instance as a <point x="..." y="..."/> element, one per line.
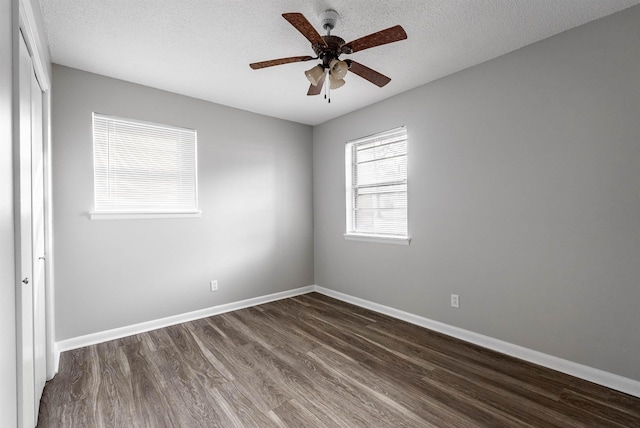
<point x="248" y="375"/>
<point x="444" y="397"/>
<point x="474" y="356"/>
<point x="433" y="412"/>
<point x="495" y="398"/>
<point x="342" y="394"/>
<point x="149" y="393"/>
<point x="594" y="409"/>
<point x="313" y="389"/>
<point x="380" y="408"/>
<point x="186" y="388"/>
<point x="552" y="411"/>
<point x="241" y="409"/>
<point x="210" y="335"/>
<point x="292" y="414"/>
<point x="488" y="378"/>
<point x="270" y="322"/>
<point x="74" y="414"/>
<point x="195" y="362"/>
<point x="320" y="300"/>
<point x="114" y="399"/>
<point x="224" y="324"/>
<point x="312" y="361"/>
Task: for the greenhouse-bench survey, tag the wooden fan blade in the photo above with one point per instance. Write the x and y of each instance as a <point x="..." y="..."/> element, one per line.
<point x="365" y="72"/>
<point x="315" y="90"/>
<point x="280" y="61"/>
<point x="306" y="29"/>
<point x="390" y="35"/>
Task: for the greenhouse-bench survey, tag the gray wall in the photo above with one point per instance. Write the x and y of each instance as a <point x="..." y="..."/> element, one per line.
<point x="8" y="403"/>
<point x="523" y="189"/>
<point x="255" y="235"/>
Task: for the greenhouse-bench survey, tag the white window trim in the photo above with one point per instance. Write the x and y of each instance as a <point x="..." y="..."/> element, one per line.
<point x="379" y="239"/>
<point x="103" y="215"/>
<point x="364" y="237"/>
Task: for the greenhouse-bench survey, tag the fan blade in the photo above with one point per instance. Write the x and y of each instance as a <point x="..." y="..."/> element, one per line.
<point x="300" y="22"/>
<point x="280" y="61"/>
<point x="315" y="90"/>
<point x="368" y="74"/>
<point x="390" y="35"/>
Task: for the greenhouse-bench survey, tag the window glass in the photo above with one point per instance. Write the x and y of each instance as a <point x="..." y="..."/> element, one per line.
<point x="376" y="185"/>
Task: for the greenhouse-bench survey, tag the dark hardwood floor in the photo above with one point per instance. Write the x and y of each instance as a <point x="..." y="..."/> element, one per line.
<point x="312" y="361"/>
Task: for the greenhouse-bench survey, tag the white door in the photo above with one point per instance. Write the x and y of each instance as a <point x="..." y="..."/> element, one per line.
<point x="37" y="234"/>
<point x="26" y="382"/>
<point x="31" y="307"/>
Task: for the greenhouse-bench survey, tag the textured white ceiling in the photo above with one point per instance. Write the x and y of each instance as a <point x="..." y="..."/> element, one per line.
<point x="202" y="48"/>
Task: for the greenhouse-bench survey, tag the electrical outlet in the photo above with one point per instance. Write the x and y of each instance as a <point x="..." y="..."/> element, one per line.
<point x="455" y="301"/>
<point x="214" y="285"/>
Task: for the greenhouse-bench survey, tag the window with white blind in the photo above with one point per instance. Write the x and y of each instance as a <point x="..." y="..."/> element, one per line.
<point x="376" y="187"/>
<point x="143" y="169"/>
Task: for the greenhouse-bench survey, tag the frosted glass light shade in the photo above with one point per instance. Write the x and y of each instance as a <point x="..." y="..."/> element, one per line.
<point x="335" y="83"/>
<point x="314" y="74"/>
<point x="338" y="69"/>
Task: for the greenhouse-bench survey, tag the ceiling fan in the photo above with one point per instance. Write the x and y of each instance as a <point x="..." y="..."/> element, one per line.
<point x="329" y="48"/>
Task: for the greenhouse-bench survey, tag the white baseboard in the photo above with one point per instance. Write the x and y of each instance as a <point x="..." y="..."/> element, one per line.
<point x="610" y="380"/>
<point x="130" y="330"/>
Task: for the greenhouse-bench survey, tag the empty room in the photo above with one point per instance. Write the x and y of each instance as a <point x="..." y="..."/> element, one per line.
<point x="320" y="214"/>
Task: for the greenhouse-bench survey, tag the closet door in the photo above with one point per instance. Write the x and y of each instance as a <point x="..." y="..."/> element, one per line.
<point x="37" y="234"/>
<point x="30" y="303"/>
<point x="26" y="373"/>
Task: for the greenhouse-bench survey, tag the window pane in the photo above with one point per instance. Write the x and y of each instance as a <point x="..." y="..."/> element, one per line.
<point x="379" y="151"/>
<point x="382" y="197"/>
<point x="381" y="222"/>
<point x="381" y="171"/>
<point x="376" y="174"/>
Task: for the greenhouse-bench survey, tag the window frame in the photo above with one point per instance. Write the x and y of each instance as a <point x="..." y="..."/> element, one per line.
<point x="351" y="190"/>
<point x="100" y="213"/>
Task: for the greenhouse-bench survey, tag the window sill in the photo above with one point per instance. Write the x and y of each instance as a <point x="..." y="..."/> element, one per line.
<point x="377" y="239"/>
<point x="94" y="215"/>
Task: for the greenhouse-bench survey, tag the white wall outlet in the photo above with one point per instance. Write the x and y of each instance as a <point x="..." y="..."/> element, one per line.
<point x="455" y="301"/>
<point x="214" y="285"/>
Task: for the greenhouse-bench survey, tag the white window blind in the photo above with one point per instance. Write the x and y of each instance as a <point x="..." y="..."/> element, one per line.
<point x="142" y="167"/>
<point x="376" y="181"/>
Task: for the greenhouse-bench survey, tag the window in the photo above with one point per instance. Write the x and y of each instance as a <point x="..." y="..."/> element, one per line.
<point x="376" y="187"/>
<point x="143" y="169"/>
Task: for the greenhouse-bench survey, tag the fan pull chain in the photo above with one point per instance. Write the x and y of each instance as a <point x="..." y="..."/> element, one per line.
<point x="327" y="87"/>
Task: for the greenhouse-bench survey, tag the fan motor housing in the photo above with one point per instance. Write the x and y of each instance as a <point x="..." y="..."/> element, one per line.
<point x="331" y="51"/>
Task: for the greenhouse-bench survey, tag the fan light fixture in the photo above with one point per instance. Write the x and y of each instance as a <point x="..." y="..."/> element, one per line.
<point x="314" y="75"/>
<point x="335" y="83"/>
<point x="338" y="69"/>
<point x="337" y="72"/>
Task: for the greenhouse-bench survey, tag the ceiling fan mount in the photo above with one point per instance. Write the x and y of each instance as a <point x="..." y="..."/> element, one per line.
<point x="329" y="18"/>
<point x="329" y="48"/>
